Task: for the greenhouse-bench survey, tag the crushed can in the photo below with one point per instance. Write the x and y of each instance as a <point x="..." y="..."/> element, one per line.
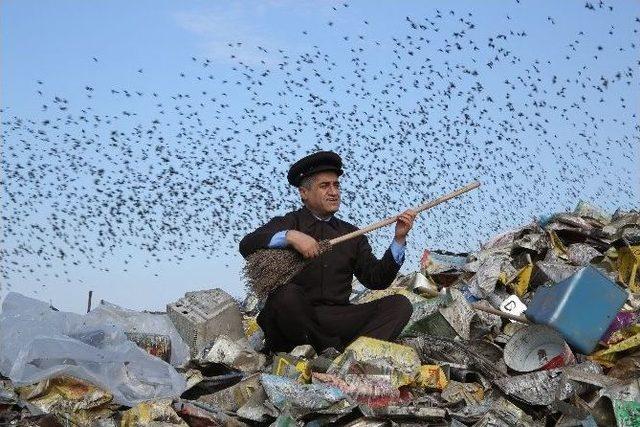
<point x="581" y="307"/>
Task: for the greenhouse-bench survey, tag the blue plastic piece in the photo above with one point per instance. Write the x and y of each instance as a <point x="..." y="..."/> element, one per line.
<point x="468" y="295"/>
<point x="580" y="307"/>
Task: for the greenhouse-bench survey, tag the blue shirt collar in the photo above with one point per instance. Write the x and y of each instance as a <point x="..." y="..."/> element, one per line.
<point x="317" y="217"/>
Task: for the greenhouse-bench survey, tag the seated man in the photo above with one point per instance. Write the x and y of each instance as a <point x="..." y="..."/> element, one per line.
<point x="313" y="308"/>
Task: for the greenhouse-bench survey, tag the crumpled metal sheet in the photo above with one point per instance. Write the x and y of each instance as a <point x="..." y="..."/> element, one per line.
<point x="306" y="351"/>
<point x="237" y="354"/>
<point x="544" y="387"/>
<point x="630" y="234"/>
<point x="198" y="384"/>
<point x="435" y="350"/>
<point x="572" y="220"/>
<point x="601" y="409"/>
<point x="8" y="395"/>
<point x="367" y="422"/>
<point x="555" y="271"/>
<point x="400" y="361"/>
<point x="503" y="240"/>
<point x="420" y="413"/>
<point x="619" y="402"/>
<point x="484" y="281"/>
<point x="374" y="392"/>
<point x="459" y="314"/>
<point x="456" y="392"/>
<point x="573" y="409"/>
<point x="534" y="241"/>
<point x="562" y="235"/>
<point x="157" y="412"/>
<point x="487" y="348"/>
<point x="232" y="398"/>
<point x="463" y="319"/>
<point x="581" y="253"/>
<point x="258" y="408"/>
<point x="424" y="309"/>
<point x="301" y="399"/>
<point x="484" y="323"/>
<point x="471" y="413"/>
<point x="468" y="376"/>
<point x="505" y="413"/>
<point x="586" y="209"/>
<point x="627" y="391"/>
<point x="372" y="295"/>
<point x="199" y="414"/>
<point x="627" y="367"/>
<point x="600" y="380"/>
<point x="615" y="229"/>
<point x="434" y="262"/>
<point x="285" y="420"/>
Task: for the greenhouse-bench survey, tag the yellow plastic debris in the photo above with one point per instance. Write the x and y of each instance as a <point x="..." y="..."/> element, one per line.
<point x="521" y="283"/>
<point x="557" y="245"/>
<point x="78" y="401"/>
<point x="402" y="360"/>
<point x="157" y="412"/>
<point x="432" y="376"/>
<point x="629" y="266"/>
<point x="630" y="340"/>
<point x="503" y="278"/>
<point x="250" y="325"/>
<point x="288" y="366"/>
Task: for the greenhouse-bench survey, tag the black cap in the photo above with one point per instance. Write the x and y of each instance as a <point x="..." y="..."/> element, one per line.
<point x="314" y="163"/>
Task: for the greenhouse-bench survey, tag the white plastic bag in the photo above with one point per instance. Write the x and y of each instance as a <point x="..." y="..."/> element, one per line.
<point x="38" y="343"/>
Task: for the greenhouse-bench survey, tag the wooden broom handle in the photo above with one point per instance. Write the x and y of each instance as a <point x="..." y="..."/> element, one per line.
<point x="393" y="219"/>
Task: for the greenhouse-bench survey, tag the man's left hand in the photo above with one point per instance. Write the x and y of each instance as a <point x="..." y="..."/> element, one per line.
<point x="404" y="224"/>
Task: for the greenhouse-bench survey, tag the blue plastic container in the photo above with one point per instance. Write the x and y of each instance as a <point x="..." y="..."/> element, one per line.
<point x="580" y="307"/>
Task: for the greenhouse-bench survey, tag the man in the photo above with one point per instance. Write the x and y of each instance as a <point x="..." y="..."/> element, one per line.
<point x="313" y="308"/>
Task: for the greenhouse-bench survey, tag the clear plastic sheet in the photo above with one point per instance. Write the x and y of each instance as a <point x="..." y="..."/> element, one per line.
<point x="37" y="343"/>
<point x="146" y="323"/>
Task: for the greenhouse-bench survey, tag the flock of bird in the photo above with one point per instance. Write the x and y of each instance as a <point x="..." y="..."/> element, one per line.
<point x="431" y="108"/>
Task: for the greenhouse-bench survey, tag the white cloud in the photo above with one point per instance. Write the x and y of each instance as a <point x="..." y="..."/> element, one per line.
<point x="267" y="23"/>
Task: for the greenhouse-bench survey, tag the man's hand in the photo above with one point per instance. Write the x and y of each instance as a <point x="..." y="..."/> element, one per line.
<point x="303" y="243"/>
<point x="404" y="224"/>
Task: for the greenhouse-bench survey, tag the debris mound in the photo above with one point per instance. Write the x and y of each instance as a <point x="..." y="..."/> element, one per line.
<point x="573" y="359"/>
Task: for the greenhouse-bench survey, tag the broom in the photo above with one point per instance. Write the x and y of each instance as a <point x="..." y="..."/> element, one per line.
<point x="267" y="269"/>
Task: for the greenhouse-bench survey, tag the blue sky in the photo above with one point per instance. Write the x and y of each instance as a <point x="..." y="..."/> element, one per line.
<point x="145" y="46"/>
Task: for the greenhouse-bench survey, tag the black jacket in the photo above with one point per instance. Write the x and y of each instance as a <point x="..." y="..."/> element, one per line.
<point x="327" y="279"/>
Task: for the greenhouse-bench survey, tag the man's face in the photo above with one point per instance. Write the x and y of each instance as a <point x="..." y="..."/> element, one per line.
<point x="323" y="195"/>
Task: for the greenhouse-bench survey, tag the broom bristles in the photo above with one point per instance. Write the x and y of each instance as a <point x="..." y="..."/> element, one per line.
<point x="267" y="269"/>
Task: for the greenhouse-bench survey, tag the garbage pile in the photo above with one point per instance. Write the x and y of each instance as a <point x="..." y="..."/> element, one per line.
<point x="540" y="327"/>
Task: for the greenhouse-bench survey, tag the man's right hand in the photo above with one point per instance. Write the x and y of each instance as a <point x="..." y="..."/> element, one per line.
<point x="303" y="243"/>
